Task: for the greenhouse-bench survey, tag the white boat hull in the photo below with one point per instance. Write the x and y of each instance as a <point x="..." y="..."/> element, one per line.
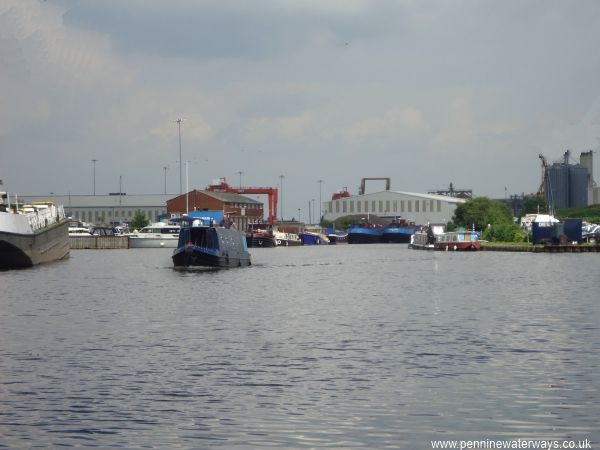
<point x="153" y="242"/>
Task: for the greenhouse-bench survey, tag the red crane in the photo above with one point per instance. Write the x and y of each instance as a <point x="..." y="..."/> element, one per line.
<point x="269" y="191"/>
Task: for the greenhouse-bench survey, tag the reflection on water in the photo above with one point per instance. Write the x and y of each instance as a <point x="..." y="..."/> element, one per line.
<point x="372" y="346"/>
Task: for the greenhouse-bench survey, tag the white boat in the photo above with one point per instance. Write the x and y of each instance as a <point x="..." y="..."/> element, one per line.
<point x="157" y="235"/>
<point x="426" y="238"/>
<point x="31" y="234"/>
<point x="283" y="239"/>
<point x="79" y="231"/>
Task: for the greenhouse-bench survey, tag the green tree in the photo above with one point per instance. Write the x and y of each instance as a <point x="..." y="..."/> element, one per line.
<point x="481" y="212"/>
<point x="139" y="221"/>
<point x="341" y="223"/>
<point x="504" y="233"/>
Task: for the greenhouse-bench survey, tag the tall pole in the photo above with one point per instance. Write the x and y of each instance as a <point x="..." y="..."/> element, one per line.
<point x="165" y="170"/>
<point x="180" y="160"/>
<point x="281" y="177"/>
<point x="187" y="191"/>
<point x="240" y="173"/>
<point x="94" y="172"/>
<point x="313" y="209"/>
<point x="320" y="204"/>
<point x="309" y="214"/>
<point x="298" y="214"/>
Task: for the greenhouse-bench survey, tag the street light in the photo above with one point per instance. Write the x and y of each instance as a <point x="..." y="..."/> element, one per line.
<point x="299" y="215"/>
<point x="178" y="121"/>
<point x="240" y="173"/>
<point x="94" y="171"/>
<point x="281" y="177"/>
<point x="187" y="190"/>
<point x="320" y="204"/>
<point x="312" y="208"/>
<point x="165" y="170"/>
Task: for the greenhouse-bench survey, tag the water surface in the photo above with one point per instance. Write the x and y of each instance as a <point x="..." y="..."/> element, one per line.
<point x="349" y="346"/>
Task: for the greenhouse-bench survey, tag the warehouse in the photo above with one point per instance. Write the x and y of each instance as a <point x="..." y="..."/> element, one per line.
<point x="418" y="208"/>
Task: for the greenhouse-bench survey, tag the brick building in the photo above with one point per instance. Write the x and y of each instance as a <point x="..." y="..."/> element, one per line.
<point x="241" y="209"/>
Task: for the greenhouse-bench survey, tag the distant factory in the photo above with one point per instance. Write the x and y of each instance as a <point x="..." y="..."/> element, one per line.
<point x="413" y="207"/>
<point x="567" y="185"/>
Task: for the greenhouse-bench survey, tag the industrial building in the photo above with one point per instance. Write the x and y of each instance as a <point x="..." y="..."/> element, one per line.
<point x="586" y="159"/>
<point x="241" y="209"/>
<point x="569" y="185"/>
<point x="109" y="209"/>
<point x="418" y="208"/>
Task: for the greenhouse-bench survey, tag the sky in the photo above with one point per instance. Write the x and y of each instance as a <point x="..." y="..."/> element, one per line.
<point x="424" y="92"/>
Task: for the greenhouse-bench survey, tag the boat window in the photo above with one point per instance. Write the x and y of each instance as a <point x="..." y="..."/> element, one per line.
<point x="439" y="206"/>
<point x="344" y="206"/>
<point x="373" y="208"/>
<point x="431" y="205"/>
<point x="401" y="205"/>
<point x="409" y="205"/>
<point x="358" y="206"/>
<point x="416" y="205"/>
<point x="351" y="207"/>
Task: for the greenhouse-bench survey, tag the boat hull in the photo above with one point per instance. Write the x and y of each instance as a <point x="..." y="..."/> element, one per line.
<point x="363" y="235"/>
<point x="211" y="247"/>
<point x="49" y="244"/>
<point x="458" y="246"/>
<point x="335" y="239"/>
<point x="194" y="257"/>
<point x="396" y="235"/>
<point x="256" y="240"/>
<point x="141" y="242"/>
<point x="288" y="242"/>
<point x="312" y="239"/>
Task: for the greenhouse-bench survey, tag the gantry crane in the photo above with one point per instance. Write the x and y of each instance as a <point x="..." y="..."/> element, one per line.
<point x="269" y="191"/>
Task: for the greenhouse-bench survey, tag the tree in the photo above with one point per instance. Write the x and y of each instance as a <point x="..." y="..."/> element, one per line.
<point x="481" y="212"/>
<point x="139" y="221"/>
<point x="504" y="233"/>
<point x="341" y="223"/>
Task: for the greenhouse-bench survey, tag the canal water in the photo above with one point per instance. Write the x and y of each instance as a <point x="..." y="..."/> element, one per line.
<point x="346" y="347"/>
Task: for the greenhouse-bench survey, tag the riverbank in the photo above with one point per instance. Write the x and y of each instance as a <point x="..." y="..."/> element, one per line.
<point x="527" y="247"/>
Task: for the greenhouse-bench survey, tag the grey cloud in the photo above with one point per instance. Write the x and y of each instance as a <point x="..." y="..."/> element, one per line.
<point x="222" y="29"/>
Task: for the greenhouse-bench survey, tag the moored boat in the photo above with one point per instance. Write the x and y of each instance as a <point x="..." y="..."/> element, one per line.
<point x="31" y="234"/>
<point x="337" y="237"/>
<point x="313" y="236"/>
<point x="157" y="235"/>
<point x="283" y="239"/>
<point x="201" y="245"/>
<point x="425" y="238"/>
<point x="458" y="240"/>
<point x="260" y="235"/>
<point x="398" y="231"/>
<point x="364" y="233"/>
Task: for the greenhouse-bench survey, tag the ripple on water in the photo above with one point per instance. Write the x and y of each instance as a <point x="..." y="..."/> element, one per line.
<point x="339" y="347"/>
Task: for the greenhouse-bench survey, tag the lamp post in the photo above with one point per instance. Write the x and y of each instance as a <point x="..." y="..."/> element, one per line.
<point x="298" y="214"/>
<point x="180" y="160"/>
<point x="165" y="171"/>
<point x="281" y="177"/>
<point x="312" y="208"/>
<point x="320" y="204"/>
<point x="240" y="173"/>
<point x="94" y="175"/>
<point x="187" y="207"/>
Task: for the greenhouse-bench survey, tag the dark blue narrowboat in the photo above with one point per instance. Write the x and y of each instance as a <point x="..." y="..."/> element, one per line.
<point x="364" y="233"/>
<point x="209" y="246"/>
